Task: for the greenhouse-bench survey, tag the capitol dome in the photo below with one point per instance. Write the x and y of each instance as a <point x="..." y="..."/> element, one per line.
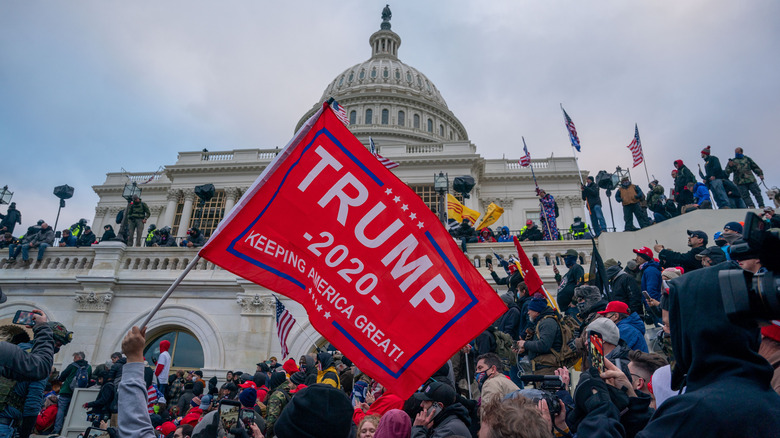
<point x="389" y="100"/>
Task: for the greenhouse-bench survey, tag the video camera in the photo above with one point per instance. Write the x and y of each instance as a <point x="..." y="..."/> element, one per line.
<point x="749" y="297"/>
<point x="546" y="390"/>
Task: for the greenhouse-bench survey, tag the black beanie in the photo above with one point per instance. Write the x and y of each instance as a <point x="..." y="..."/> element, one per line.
<point x="276" y="380"/>
<point x="259" y="379"/>
<point x="318" y="411"/>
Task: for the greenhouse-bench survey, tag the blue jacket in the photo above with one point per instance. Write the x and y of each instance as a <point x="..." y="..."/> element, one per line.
<point x="701" y="193"/>
<point x="651" y="279"/>
<point x="632" y="330"/>
<point x="504" y="237"/>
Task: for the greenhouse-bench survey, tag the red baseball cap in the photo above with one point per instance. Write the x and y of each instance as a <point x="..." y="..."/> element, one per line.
<point x="248" y="384"/>
<point x="167" y="428"/>
<point x="615" y="306"/>
<point x="529" y="222"/>
<point x="645" y="251"/>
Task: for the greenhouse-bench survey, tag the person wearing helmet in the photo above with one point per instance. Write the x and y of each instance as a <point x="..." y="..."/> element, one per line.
<point x="164" y="238"/>
<point x="152" y="235"/>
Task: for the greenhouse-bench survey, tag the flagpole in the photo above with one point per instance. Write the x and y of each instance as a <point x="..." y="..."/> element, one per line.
<point x="644" y="160"/>
<point x="579" y="172"/>
<point x="168" y="293"/>
<point x="541" y="204"/>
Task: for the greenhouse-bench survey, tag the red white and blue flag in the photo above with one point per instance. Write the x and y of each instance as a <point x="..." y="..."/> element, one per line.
<point x="575" y="140"/>
<point x="379" y="276"/>
<point x="284" y="323"/>
<point x="525" y="160"/>
<point x="636" y="148"/>
<point x="340" y="112"/>
<point x="388" y="163"/>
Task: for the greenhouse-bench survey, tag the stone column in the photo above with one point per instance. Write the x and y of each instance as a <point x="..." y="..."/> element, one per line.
<point x="100" y="219"/>
<point x="509" y="219"/>
<point x="186" y="214"/>
<point x="170" y="209"/>
<point x="231" y="196"/>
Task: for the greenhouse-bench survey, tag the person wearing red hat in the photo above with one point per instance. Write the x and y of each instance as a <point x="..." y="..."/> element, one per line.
<point x="713" y="177"/>
<point x="163" y="367"/>
<point x="530" y="232"/>
<point x="167" y="428"/>
<point x="651" y="272"/>
<point x="631" y="326"/>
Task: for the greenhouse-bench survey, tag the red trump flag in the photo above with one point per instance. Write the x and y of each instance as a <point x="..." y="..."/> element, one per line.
<point x="329" y="227"/>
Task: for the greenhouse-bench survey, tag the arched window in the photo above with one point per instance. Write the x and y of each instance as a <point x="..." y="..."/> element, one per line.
<point x="441" y="130"/>
<point x="401" y="118"/>
<point x="186" y="351"/>
<point x="352" y="117"/>
<point x="385" y="116"/>
<point x="369" y="116"/>
<point x="430" y="125"/>
<point x="417" y="121"/>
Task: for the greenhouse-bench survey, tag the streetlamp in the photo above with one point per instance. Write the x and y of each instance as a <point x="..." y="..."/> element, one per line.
<point x="204" y="192"/>
<point x="130" y="190"/>
<point x="441" y="183"/>
<point x="5" y="195"/>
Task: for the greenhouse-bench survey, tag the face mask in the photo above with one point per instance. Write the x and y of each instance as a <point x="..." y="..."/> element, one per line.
<point x="480" y="378"/>
<point x="581" y="307"/>
<point x="569" y="261"/>
<point x="625" y="184"/>
<point x="738" y="155"/>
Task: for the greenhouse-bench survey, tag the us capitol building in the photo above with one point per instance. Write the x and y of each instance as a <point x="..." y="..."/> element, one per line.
<point x="217" y="321"/>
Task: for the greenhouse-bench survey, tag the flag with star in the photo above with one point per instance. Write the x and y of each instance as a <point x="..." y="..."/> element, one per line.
<point x="284" y="323"/>
<point x="388" y="163"/>
<point x="367" y="258"/>
<point x="573" y="137"/>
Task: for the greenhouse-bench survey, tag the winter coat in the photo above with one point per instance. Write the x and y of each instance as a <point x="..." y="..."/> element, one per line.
<point x="18" y="364"/>
<point x="46" y="418"/>
<point x="728" y="390"/>
<point x="43" y="236"/>
<point x="10" y="219"/>
<point x="591" y="194"/>
<point x="629" y="195"/>
<point x="504" y="237"/>
<point x="452" y="421"/>
<point x="66" y="376"/>
<point x="511" y="281"/>
<point x="509" y="322"/>
<point x="712" y="168"/>
<point x="701" y="193"/>
<point x="632" y="330"/>
<point x="108" y="234"/>
<point x="732" y="191"/>
<point x="328" y="375"/>
<point x="138" y="210"/>
<point x="625" y="289"/>
<point x="655" y="197"/>
<point x="547" y="336"/>
<point x="197" y="240"/>
<point x="573" y="278"/>
<point x="101" y="405"/>
<point x="386" y="402"/>
<point x="672" y="259"/>
<point x="743" y="170"/>
<point x="684" y="176"/>
<point x="115" y="372"/>
<point x="651" y="279"/>
<point x="86" y="239"/>
<point x="532" y="233"/>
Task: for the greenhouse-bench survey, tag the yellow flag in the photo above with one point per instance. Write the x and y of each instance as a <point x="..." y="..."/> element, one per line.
<point x="458" y="211"/>
<point x="491" y="216"/>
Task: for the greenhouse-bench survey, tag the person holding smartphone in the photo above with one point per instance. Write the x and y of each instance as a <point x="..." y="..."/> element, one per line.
<point x="441" y="414"/>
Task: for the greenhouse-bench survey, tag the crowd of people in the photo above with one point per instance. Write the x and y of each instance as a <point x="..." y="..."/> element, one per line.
<point x="79" y="235"/>
<point x="672" y="362"/>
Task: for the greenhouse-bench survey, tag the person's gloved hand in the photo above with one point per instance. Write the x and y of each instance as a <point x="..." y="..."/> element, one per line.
<point x="239" y="431"/>
<point x="591" y="391"/>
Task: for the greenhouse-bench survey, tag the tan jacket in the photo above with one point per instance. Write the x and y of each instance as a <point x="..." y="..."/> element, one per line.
<point x="497" y="386"/>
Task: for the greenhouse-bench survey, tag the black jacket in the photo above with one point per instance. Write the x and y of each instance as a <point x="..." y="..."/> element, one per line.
<point x="511" y="281"/>
<point x="18" y="364"/>
<point x="625" y="289"/>
<point x="573" y="278"/>
<point x="86" y="239"/>
<point x="115" y="373"/>
<point x="532" y="233"/>
<point x="591" y="194"/>
<point x="509" y="322"/>
<point x="728" y="383"/>
<point x="452" y="421"/>
<point x="108" y="234"/>
<point x="548" y="336"/>
<point x="102" y="404"/>
<point x="712" y="167"/>
<point x="671" y="259"/>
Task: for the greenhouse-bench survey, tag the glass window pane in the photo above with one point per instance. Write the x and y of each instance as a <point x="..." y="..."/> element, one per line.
<point x="385" y="117"/>
<point x="152" y="351"/>
<point x="401" y="118"/>
<point x="369" y="116"/>
<point x="188" y="352"/>
<point x="352" y="117"/>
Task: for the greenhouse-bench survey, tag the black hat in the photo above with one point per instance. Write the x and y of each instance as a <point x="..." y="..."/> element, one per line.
<point x="715" y="253"/>
<point x="319" y="410"/>
<point x="298" y="377"/>
<point x="438" y="392"/>
<point x="698" y="233"/>
<point x="263" y="367"/>
<point x="259" y="379"/>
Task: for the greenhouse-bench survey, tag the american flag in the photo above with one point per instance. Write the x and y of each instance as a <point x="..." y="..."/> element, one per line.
<point x="636" y="148"/>
<point x="525" y="160"/>
<point x="390" y="164"/>
<point x="284" y="323"/>
<point x="340" y="112"/>
<point x="575" y="140"/>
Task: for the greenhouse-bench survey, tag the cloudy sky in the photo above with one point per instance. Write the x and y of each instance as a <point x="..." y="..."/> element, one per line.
<point x="90" y="87"/>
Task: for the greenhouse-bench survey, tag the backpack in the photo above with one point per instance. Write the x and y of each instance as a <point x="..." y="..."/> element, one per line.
<point x="80" y="378"/>
<point x="566" y="357"/>
<point x="504" y="344"/>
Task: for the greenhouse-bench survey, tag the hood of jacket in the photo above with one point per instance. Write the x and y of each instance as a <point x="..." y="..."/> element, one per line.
<point x="614" y="271"/>
<point x="707" y="346"/>
<point x="310" y="367"/>
<point x="453" y="410"/>
<point x="326" y="360"/>
<point x="165" y="345"/>
<point x="635" y="321"/>
<point x="651" y="264"/>
<point x="678" y="164"/>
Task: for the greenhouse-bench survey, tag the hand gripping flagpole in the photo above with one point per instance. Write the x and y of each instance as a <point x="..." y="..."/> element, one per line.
<point x="170" y="290"/>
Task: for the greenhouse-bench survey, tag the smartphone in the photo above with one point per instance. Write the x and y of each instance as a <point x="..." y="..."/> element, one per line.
<point x="24" y="317"/>
<point x="228" y="413"/>
<point x="247" y="416"/>
<point x="647" y="296"/>
<point x="434" y="410"/>
<point x="596" y="351"/>
<point x="94" y="432"/>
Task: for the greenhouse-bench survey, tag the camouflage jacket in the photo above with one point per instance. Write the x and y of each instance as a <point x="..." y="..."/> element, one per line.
<point x="743" y="170"/>
<point x="276" y="403"/>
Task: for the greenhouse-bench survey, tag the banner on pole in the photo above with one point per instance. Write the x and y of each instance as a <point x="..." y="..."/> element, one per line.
<point x="330" y="227"/>
<point x="492" y="214"/>
<point x="458" y="211"/>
